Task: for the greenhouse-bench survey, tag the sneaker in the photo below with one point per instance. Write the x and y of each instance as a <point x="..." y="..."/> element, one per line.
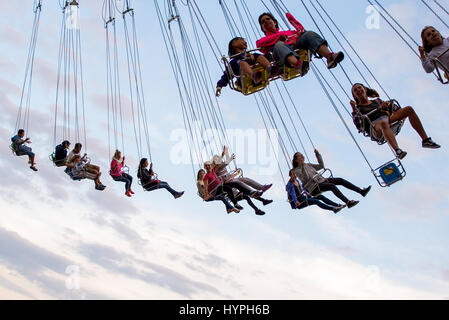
<point x="352" y="203"/>
<point x="236" y="210"/>
<point x="132" y="192"/>
<point x="400" y="153"/>
<point x="266" y="187"/>
<point x="335" y="59"/>
<point x="337" y="209"/>
<point x="179" y="194"/>
<point x="33" y="168"/>
<point x="365" y="191"/>
<point x="428" y="143"/>
<point x="260" y="212"/>
<point x="100" y="187"/>
<point x="128" y="194"/>
<point x="267" y="202"/>
<point x="237" y="206"/>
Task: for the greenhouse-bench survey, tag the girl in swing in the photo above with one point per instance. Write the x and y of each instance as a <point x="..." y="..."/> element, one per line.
<point x="241" y="62"/>
<point x="434" y="46"/>
<point x="117" y="164"/>
<point x="381" y="120"/>
<point x="282" y="44"/>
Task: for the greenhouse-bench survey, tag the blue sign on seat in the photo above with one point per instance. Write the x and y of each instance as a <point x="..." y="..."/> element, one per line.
<point x="390" y="173"/>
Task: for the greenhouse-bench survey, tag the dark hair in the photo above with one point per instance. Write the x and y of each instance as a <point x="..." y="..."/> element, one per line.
<point x="198" y="174"/>
<point x="78" y="145"/>
<point x="231" y="50"/>
<point x="272" y="18"/>
<point x="426" y="45"/>
<point x="290" y="172"/>
<point x="295" y="163"/>
<point x="66" y="143"/>
<point x="371" y="93"/>
<point x="142" y="162"/>
<point x="20" y="131"/>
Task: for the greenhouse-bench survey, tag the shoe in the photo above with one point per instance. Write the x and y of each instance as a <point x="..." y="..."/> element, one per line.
<point x="257" y="77"/>
<point x="237" y="206"/>
<point x="337" y="209"/>
<point x="400" y="153"/>
<point x="260" y="212"/>
<point x="33" y="168"/>
<point x="335" y="59"/>
<point x="179" y="194"/>
<point x="352" y="203"/>
<point x="128" y="194"/>
<point x="100" y="187"/>
<point x="365" y="191"/>
<point x="132" y="192"/>
<point x="266" y="187"/>
<point x="236" y="210"/>
<point x="267" y="202"/>
<point x="428" y="143"/>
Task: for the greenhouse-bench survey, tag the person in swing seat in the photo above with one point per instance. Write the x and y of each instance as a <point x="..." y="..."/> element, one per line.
<point x="242" y="62"/>
<point x="20" y="149"/>
<point x="282" y="44"/>
<point x="300" y="199"/>
<point x="60" y="158"/>
<point x="148" y="182"/>
<point x="77" y="152"/>
<point x="307" y="173"/>
<point x="79" y="170"/>
<point x="381" y="119"/>
<point x="433" y="46"/>
<point x="117" y="164"/>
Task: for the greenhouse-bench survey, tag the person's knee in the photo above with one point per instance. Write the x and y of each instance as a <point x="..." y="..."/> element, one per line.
<point x="409" y="110"/>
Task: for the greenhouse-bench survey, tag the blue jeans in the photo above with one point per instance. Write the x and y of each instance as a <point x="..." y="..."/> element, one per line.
<point x="24" y="150"/>
<point x="221" y="197"/>
<point x="165" y="185"/>
<point x="320" y="201"/>
<point x="126" y="178"/>
<point x="309" y="40"/>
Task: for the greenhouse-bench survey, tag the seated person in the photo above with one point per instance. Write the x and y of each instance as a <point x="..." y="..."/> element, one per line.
<point x="149" y="183"/>
<point x="241" y="61"/>
<point x="88" y="166"/>
<point x="19" y="147"/>
<point x="220" y="167"/>
<point x="307" y="173"/>
<point x="117" y="173"/>
<point x="381" y="120"/>
<point x="283" y="43"/>
<point x="300" y="199"/>
<point x="78" y="170"/>
<point x="60" y="157"/>
<point x="433" y="46"/>
<point x="217" y="197"/>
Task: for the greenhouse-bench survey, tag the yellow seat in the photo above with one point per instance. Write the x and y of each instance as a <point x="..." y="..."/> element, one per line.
<point x="248" y="87"/>
<point x="293" y="73"/>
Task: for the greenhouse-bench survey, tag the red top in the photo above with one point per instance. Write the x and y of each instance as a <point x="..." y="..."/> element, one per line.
<point x="271" y="38"/>
<point x="213" y="181"/>
<point x="117" y="171"/>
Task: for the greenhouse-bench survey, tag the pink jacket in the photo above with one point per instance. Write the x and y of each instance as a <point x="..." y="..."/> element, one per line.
<point x="117" y="171"/>
<point x="271" y="38"/>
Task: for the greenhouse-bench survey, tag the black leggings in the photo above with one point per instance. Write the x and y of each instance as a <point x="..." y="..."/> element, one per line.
<point x="331" y="185"/>
<point x="227" y="187"/>
<point x="242" y="196"/>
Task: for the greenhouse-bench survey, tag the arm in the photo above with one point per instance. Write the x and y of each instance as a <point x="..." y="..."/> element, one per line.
<point x="319" y="158"/>
<point x="295" y="23"/>
<point x="291" y="192"/>
<point x="426" y="60"/>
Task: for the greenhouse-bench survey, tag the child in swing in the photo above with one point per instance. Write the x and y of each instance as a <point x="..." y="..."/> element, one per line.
<point x="242" y="62"/>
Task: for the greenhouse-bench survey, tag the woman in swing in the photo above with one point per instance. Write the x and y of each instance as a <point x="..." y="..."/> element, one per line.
<point x="381" y="119"/>
<point x="433" y="46"/>
<point x="283" y="43"/>
<point x="241" y="62"/>
<point x="149" y="183"/>
<point x="300" y="199"/>
<point x="117" y="164"/>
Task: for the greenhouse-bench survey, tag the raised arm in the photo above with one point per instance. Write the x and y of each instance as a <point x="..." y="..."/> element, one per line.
<point x="295" y="23"/>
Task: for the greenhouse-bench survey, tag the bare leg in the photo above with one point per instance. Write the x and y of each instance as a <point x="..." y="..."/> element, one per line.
<point x="384" y="127"/>
<point x="292" y="60"/>
<point x="409" y="112"/>
<point x="263" y="61"/>
<point x="323" y="50"/>
<point x="246" y="69"/>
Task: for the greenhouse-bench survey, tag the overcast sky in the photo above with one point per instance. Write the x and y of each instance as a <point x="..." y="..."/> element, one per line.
<point x="64" y="240"/>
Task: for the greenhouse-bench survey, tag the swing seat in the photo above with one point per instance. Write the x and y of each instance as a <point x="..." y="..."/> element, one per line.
<point x="313" y="184"/>
<point x="441" y="69"/>
<point x="389" y="173"/>
<point x="234" y="174"/>
<point x="293" y="73"/>
<point x="68" y="171"/>
<point x="57" y="163"/>
<point x="248" y="86"/>
<point x="13" y="148"/>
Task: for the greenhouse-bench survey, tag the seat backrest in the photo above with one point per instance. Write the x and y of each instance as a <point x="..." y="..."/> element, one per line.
<point x="390" y="173"/>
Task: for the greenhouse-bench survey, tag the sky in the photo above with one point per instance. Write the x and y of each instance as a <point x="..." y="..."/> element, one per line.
<point x="61" y="239"/>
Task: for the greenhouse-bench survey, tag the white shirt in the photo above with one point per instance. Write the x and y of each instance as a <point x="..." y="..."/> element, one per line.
<point x="427" y="62"/>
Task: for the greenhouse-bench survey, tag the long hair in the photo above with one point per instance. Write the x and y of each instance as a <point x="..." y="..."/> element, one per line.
<point x="272" y="18"/>
<point x="141" y="163"/>
<point x="198" y="174"/>
<point x="425" y="43"/>
<point x="115" y="155"/>
<point x="231" y="50"/>
<point x="371" y="93"/>
<point x="295" y="163"/>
